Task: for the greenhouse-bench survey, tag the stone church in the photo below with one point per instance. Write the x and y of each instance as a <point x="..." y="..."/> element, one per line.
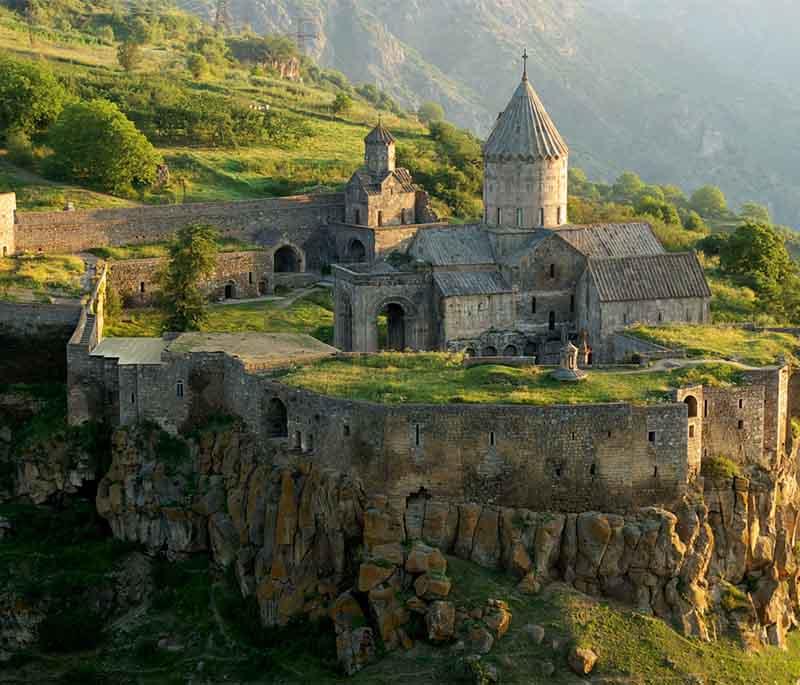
<point x="518" y="283"/>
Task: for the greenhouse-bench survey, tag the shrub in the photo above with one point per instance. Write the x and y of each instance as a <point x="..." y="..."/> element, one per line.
<point x="95" y="144"/>
<point x="719" y="468"/>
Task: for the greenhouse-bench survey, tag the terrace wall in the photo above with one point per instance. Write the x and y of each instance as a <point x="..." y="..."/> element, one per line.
<point x="269" y="221"/>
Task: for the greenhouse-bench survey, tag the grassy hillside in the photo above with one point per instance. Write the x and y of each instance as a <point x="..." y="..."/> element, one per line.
<point x="322" y="152"/>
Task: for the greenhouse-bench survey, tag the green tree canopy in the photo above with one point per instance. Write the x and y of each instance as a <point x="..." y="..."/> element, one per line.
<point x="757" y="252"/>
<point x="709" y="202"/>
<point x="430" y="112"/>
<point x="752" y="211"/>
<point x="192" y="259"/>
<point x="197" y="65"/>
<point x="31" y="97"/>
<point x="627" y="186"/>
<point x="342" y="103"/>
<point x="95" y="144"/>
<point x="692" y="221"/>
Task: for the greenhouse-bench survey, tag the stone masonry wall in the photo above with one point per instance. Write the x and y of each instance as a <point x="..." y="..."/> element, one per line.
<point x="250" y="274"/>
<point x="8" y="207"/>
<point x="295" y="219"/>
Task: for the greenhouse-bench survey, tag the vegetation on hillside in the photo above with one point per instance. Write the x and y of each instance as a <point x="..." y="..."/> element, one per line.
<point x="44" y="275"/>
<point x="433" y="378"/>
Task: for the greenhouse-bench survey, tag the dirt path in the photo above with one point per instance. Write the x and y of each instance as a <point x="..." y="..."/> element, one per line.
<point x="674" y="364"/>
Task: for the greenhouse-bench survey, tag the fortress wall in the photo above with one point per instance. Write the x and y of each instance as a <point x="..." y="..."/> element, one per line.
<point x="573" y="458"/>
<point x="136" y="280"/>
<point x="8" y="207"/>
<point x="292" y="219"/>
<point x="734" y="423"/>
<point x="32" y="339"/>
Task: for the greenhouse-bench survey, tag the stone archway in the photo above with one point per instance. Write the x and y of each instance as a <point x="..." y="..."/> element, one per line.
<point x="510" y="351"/>
<point x="277" y="419"/>
<point x="287" y="260"/>
<point x="392" y="333"/>
<point x="691" y="404"/>
<point x="356" y="252"/>
<point x="230" y="290"/>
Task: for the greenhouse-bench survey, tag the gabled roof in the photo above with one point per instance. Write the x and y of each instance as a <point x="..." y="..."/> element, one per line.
<point x="651" y="277"/>
<point x="525" y="130"/>
<point x="373" y="185"/>
<point x="612" y="240"/>
<point x="380" y="134"/>
<point x="455" y="283"/>
<point x="453" y="245"/>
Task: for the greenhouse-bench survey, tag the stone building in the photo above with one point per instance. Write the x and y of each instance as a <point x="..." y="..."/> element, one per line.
<point x="522" y="280"/>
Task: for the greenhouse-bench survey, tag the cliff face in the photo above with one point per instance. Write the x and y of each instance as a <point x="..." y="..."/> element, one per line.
<point x="309" y="541"/>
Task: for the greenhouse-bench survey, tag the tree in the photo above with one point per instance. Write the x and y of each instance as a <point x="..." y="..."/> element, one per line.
<point x="430" y="112"/>
<point x="129" y="55"/>
<point x="31" y="97"/>
<point x="197" y="65"/>
<point x="709" y="202"/>
<point x="342" y="103"/>
<point x="140" y="31"/>
<point x="95" y="144"/>
<point x="192" y="259"/>
<point x="757" y="252"/>
<point x="659" y="209"/>
<point x="692" y="221"/>
<point x="752" y="211"/>
<point x="627" y="186"/>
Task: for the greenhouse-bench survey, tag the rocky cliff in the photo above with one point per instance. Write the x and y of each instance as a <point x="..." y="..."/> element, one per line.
<point x="309" y="541"/>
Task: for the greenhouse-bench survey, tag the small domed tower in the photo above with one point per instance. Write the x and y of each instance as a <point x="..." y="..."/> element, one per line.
<point x="525" y="165"/>
<point x="380" y="151"/>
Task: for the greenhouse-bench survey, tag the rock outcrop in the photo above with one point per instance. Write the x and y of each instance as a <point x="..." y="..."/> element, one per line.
<point x="309" y="541"/>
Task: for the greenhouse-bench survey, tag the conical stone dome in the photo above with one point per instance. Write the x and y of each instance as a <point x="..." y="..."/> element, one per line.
<point x="525" y="130"/>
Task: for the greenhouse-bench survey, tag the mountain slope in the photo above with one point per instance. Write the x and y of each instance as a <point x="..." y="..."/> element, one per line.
<point x="631" y="85"/>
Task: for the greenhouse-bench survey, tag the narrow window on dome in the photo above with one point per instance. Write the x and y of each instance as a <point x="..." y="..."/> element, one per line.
<point x="519" y="216"/>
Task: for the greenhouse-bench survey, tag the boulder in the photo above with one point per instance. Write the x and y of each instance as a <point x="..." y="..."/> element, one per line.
<point x="440" y="621"/>
<point x="535" y="633"/>
<point x="423" y="558"/>
<point x="582" y="660"/>
<point x="479" y="639"/>
<point x="497" y="617"/>
<point x="432" y="586"/>
<point x="370" y="575"/>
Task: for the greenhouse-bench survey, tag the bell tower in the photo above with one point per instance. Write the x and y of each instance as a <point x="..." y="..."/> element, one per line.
<point x="380" y="151"/>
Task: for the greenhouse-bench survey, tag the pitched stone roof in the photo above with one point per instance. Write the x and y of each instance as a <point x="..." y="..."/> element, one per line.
<point x="380" y="134"/>
<point x="612" y="240"/>
<point x="525" y="130"/>
<point x="650" y="277"/>
<point x="455" y="283"/>
<point x="373" y="185"/>
<point x="453" y="245"/>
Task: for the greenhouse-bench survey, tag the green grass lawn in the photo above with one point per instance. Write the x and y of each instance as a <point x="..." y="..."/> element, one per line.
<point x="312" y="314"/>
<point x="748" y="347"/>
<point x="394" y="378"/>
<point x="58" y="275"/>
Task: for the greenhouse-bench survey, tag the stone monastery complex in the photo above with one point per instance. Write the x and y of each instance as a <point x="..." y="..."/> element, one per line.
<point x="522" y="287"/>
<point x="520" y="284"/>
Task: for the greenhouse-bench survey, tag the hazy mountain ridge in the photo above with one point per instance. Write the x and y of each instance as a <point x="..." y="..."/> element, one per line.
<point x="681" y="92"/>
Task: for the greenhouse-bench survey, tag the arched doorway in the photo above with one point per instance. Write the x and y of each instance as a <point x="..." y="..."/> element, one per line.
<point x="469" y="352"/>
<point x="691" y="404"/>
<point x="230" y="291"/>
<point x="489" y="351"/>
<point x="286" y="260"/>
<point x="277" y="420"/>
<point x="392" y="327"/>
<point x="356" y="252"/>
<point x="510" y="351"/>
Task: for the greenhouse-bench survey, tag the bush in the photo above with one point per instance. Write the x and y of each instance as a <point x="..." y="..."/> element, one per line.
<point x="197" y="65"/>
<point x="20" y="149"/>
<point x="719" y="468"/>
<point x="95" y="144"/>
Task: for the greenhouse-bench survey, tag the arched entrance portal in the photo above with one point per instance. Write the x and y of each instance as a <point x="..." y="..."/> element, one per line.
<point x="230" y="291"/>
<point x="277" y="420"/>
<point x="392" y="327"/>
<point x="356" y="252"/>
<point x="691" y="404"/>
<point x="286" y="260"/>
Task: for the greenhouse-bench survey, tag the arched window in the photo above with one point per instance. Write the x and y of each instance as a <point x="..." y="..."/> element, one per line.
<point x="356" y="252"/>
<point x="541" y="217"/>
<point x="533" y="305"/>
<point x="552" y="321"/>
<point x="552" y="271"/>
<point x="519" y="216"/>
<point x="691" y="404"/>
<point x="380" y="217"/>
<point x="499" y="216"/>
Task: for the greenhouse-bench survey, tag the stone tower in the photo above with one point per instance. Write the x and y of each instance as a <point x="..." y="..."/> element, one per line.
<point x="525" y="162"/>
<point x="380" y="151"/>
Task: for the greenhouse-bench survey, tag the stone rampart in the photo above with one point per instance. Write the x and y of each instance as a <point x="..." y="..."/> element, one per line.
<point x="268" y="221"/>
<point x="237" y="275"/>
